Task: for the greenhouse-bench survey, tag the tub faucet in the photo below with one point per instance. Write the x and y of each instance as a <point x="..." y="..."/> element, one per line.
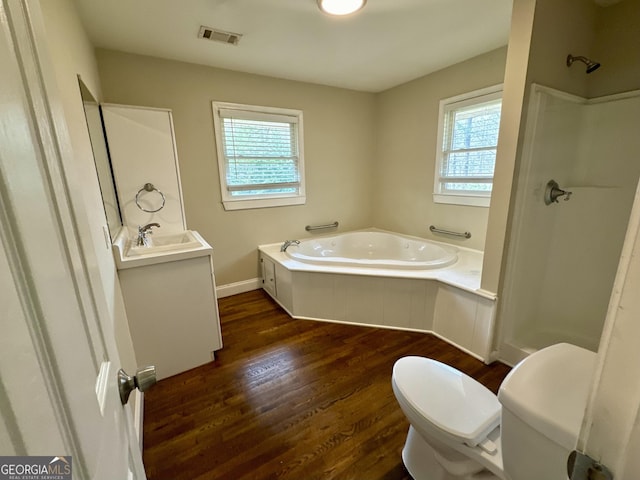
<point x="288" y="243"/>
<point x="143" y="231"/>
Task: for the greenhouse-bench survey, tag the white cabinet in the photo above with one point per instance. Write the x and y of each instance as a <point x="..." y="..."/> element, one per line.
<point x="277" y="282"/>
<point x="269" y="276"/>
<point x="173" y="313"/>
<point x="142" y="148"/>
<point x="169" y="293"/>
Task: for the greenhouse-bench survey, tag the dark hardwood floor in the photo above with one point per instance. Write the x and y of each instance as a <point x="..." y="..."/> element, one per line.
<point x="289" y="399"/>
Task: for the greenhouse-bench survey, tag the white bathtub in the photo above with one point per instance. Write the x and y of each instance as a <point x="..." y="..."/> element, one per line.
<point x="372" y="249"/>
<point x="354" y="278"/>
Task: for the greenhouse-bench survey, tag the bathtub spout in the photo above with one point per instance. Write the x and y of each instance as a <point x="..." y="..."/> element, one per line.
<point x="288" y="243"/>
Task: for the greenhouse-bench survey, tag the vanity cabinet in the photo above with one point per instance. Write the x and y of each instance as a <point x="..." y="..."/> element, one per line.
<point x="142" y="147"/>
<point x="173" y="313"/>
<point x="168" y="286"/>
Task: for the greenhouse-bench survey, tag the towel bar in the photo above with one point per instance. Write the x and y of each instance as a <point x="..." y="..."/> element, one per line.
<point x="309" y="228"/>
<point x="449" y="232"/>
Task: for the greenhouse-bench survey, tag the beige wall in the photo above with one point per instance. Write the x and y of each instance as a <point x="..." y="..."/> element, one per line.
<point x="339" y="151"/>
<point x="72" y="55"/>
<point x="511" y="119"/>
<point x="609" y="35"/>
<point x="560" y="28"/>
<point x="406" y="131"/>
<point x="543" y="33"/>
<point x="354" y="143"/>
<point x="617" y="48"/>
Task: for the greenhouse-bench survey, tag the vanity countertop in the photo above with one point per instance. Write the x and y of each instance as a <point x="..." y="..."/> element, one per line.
<point x="161" y="249"/>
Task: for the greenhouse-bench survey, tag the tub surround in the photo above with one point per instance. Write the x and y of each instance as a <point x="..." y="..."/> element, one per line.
<point x="446" y="302"/>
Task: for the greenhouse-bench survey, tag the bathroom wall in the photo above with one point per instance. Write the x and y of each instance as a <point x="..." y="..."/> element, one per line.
<point x="339" y="151"/>
<point x="562" y="258"/>
<point x="543" y="32"/>
<point x="617" y="46"/>
<point x="354" y="142"/>
<point x="561" y="28"/>
<point x="606" y="34"/>
<point x="510" y="141"/>
<point x="406" y="126"/>
<point x="72" y="54"/>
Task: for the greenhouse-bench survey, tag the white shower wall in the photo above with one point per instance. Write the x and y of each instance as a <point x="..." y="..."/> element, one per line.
<point x="563" y="257"/>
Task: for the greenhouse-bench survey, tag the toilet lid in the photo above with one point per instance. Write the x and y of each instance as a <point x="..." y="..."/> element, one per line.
<point x="449" y="399"/>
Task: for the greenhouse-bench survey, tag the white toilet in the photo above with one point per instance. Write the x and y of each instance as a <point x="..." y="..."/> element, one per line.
<point x="461" y="431"/>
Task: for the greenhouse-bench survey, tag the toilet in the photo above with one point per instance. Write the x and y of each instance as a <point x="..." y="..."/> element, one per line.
<point x="460" y="430"/>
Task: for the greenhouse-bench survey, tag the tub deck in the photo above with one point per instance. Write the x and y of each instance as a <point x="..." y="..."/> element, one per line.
<point x="465" y="274"/>
<point x="447" y="302"/>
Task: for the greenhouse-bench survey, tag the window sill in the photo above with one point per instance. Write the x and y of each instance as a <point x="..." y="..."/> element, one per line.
<point x="468" y="200"/>
<point x="263" y="203"/>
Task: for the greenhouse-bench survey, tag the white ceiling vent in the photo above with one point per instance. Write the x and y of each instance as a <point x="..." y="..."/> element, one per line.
<point x="216" y="35"/>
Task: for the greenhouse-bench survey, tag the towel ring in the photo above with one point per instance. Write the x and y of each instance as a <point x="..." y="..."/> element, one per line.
<point x="148" y="187"/>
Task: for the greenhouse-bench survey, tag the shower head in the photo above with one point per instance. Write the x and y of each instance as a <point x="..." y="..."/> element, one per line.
<point x="591" y="65"/>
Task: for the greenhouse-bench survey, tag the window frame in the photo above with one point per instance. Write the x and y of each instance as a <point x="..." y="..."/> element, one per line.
<point x="257" y="112"/>
<point x="446" y="106"/>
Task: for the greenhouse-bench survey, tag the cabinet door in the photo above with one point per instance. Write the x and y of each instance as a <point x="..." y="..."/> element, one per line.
<point x="172" y="313"/>
<point x="269" y="276"/>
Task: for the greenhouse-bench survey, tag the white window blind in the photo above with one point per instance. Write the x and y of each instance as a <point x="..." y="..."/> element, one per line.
<point x="259" y="155"/>
<point x="466" y="157"/>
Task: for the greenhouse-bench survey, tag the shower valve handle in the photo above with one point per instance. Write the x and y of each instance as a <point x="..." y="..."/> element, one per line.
<point x="553" y="192"/>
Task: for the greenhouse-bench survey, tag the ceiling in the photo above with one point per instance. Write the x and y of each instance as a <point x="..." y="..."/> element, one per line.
<point x="387" y="43"/>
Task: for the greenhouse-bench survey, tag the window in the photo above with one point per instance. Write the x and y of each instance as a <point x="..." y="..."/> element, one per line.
<point x="260" y="155"/>
<point x="467" y="141"/>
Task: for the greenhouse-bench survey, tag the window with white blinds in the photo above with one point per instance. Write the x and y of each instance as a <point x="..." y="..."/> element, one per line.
<point x="467" y="142"/>
<point x="260" y="156"/>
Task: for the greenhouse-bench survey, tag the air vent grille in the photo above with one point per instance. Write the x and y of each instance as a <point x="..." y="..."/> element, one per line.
<point x="221" y="36"/>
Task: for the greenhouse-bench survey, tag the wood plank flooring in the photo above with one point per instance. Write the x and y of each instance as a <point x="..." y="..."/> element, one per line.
<point x="289" y="399"/>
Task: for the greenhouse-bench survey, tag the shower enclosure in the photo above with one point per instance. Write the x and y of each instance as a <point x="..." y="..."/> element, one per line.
<point x="563" y="256"/>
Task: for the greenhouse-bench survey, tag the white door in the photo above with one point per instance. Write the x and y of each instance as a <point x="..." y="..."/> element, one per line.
<point x="58" y="361"/>
<point x="611" y="427"/>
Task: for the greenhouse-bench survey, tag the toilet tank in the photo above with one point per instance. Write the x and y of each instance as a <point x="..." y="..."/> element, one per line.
<point x="543" y="401"/>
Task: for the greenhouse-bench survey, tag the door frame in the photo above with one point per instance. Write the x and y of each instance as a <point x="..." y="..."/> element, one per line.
<point x="41" y="200"/>
<point x="610" y="432"/>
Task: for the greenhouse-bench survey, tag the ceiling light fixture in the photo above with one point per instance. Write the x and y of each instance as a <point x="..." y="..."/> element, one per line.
<point x="340" y="7"/>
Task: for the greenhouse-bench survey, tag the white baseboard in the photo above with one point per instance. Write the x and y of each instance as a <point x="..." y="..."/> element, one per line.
<point x="238" y="287"/>
<point x="513" y="354"/>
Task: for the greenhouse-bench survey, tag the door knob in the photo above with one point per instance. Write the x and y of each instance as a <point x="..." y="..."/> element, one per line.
<point x="144" y="378"/>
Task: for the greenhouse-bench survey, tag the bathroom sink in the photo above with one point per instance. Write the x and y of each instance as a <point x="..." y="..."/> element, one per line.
<point x="169" y="247"/>
<point x="183" y="239"/>
<point x="162" y="243"/>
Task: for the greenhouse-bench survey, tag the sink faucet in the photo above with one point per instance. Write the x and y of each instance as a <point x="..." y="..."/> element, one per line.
<point x="288" y="243"/>
<point x="141" y="241"/>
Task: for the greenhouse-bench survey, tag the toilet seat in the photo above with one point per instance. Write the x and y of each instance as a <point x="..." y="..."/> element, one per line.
<point x="448" y="399"/>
